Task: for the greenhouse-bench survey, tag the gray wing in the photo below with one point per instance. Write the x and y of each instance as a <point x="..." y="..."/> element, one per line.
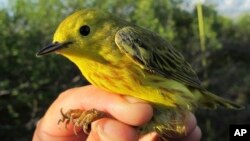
<point x="156" y="55"/>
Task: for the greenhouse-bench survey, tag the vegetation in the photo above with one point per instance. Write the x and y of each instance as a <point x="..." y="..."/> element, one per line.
<point x="29" y="84"/>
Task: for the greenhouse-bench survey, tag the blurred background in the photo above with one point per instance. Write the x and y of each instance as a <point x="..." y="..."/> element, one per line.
<point x="29" y="84"/>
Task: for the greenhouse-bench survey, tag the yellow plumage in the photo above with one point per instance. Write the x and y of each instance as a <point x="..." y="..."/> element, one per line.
<point x="126" y="59"/>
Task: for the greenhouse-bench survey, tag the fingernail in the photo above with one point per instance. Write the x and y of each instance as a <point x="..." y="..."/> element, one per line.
<point x="104" y="130"/>
<point x="109" y="130"/>
<point x="190" y="122"/>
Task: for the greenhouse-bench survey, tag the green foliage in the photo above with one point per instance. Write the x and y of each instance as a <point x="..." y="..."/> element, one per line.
<point x="29" y="84"/>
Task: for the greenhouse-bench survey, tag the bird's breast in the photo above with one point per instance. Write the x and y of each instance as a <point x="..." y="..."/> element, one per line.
<point x="119" y="79"/>
<point x="126" y="78"/>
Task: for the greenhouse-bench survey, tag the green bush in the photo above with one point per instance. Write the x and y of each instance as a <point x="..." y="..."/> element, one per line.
<point x="29" y="84"/>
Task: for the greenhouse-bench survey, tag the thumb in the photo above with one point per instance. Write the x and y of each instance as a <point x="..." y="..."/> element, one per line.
<point x="109" y="129"/>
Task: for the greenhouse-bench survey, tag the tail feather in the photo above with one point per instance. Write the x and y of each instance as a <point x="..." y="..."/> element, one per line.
<point x="210" y="100"/>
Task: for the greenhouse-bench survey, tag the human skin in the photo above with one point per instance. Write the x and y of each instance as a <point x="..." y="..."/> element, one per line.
<point x="127" y="113"/>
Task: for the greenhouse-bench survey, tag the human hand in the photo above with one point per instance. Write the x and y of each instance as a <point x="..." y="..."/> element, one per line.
<point x="128" y="112"/>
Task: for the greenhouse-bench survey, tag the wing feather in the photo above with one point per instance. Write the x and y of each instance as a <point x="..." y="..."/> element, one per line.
<point x="155" y="55"/>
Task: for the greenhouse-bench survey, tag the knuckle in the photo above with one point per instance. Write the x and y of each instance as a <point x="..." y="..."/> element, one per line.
<point x="67" y="93"/>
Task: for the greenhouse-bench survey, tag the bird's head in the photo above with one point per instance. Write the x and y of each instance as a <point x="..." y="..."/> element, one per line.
<point x="82" y="34"/>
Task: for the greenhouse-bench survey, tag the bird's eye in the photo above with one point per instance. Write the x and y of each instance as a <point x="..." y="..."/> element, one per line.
<point x="84" y="30"/>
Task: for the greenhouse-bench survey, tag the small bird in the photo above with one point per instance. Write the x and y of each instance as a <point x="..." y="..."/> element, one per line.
<point x="126" y="59"/>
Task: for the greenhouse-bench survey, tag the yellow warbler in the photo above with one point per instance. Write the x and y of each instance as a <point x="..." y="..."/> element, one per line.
<point x="126" y="59"/>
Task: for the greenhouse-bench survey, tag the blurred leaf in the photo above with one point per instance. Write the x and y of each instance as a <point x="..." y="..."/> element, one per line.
<point x="28" y="84"/>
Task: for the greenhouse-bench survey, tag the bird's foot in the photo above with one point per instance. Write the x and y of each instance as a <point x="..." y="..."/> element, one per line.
<point x="81" y="118"/>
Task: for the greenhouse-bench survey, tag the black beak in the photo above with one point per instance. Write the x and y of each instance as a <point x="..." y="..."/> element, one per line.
<point x="52" y="47"/>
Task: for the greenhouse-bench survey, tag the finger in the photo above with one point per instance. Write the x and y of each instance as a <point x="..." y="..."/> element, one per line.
<point x="89" y="97"/>
<point x="153" y="136"/>
<point x="194" y="136"/>
<point x="191" y="123"/>
<point x="42" y="134"/>
<point x="112" y="130"/>
<point x="119" y="107"/>
<point x="191" y="131"/>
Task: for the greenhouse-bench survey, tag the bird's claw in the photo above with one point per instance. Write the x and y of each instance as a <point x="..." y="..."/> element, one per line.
<point x="80" y="118"/>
